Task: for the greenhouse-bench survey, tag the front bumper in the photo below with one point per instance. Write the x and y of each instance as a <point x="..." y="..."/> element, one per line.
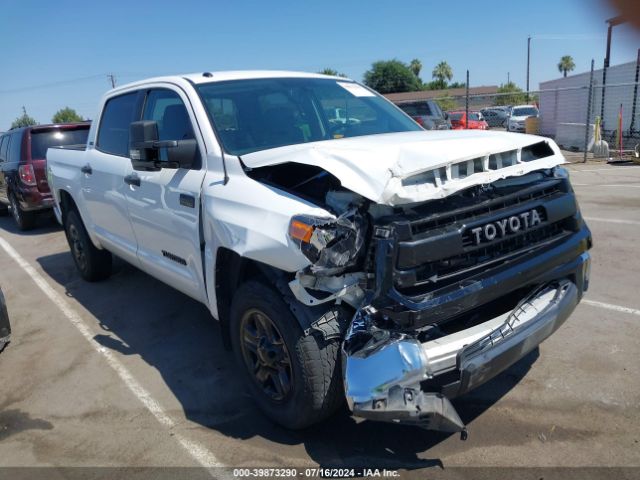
<point x="394" y="377"/>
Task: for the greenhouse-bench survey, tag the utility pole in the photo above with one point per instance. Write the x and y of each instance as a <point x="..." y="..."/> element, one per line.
<point x="607" y="59"/>
<point x="112" y="77"/>
<point x="528" y="60"/>
<point x="466" y="103"/>
<point x="586" y="125"/>
<point x="508" y="78"/>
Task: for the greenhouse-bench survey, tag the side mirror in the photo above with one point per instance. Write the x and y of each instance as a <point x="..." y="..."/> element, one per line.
<point x="149" y="153"/>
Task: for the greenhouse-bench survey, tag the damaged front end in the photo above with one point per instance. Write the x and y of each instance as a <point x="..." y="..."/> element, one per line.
<point x="388" y="375"/>
<point x="383" y="370"/>
<point x="446" y="293"/>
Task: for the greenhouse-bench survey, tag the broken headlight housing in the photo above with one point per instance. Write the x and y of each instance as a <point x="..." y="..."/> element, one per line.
<point x="560" y="172"/>
<point x="331" y="244"/>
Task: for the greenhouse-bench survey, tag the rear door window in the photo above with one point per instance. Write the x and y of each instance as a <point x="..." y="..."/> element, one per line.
<point x="15" y="147"/>
<point x="418" y="109"/>
<point x="435" y="109"/>
<point x="4" y="146"/>
<point x="41" y="140"/>
<point x="113" y="133"/>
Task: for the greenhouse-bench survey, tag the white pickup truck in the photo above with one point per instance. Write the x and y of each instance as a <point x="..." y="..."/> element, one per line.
<point x="367" y="260"/>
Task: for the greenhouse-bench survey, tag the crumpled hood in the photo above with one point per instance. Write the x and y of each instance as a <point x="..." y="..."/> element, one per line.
<point x="407" y="167"/>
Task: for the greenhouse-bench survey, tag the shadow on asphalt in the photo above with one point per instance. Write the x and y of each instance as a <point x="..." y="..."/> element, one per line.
<point x="45" y="223"/>
<point x="177" y="336"/>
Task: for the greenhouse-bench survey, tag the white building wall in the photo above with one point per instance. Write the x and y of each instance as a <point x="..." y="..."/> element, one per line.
<point x="565" y="100"/>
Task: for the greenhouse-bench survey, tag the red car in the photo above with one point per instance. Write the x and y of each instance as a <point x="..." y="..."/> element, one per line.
<point x="458" y="121"/>
<point x="23" y="181"/>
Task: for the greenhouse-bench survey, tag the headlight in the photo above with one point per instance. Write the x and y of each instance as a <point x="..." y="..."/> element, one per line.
<point x="560" y="172"/>
<point x="330" y="244"/>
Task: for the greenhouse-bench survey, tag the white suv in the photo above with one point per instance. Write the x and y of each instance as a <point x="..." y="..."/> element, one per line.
<point x="519" y="115"/>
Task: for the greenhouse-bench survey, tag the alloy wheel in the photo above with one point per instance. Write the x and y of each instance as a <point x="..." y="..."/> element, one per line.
<point x="265" y="354"/>
<point x="77" y="247"/>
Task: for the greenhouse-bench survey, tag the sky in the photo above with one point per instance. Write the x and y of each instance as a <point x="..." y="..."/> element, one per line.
<point x="59" y="53"/>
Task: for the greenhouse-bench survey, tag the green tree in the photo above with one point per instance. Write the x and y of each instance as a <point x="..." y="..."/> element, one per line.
<point x="447" y="103"/>
<point x="23" y="120"/>
<point x="514" y="97"/>
<point x="66" y="115"/>
<point x="432" y="85"/>
<point x="416" y="66"/>
<point x="442" y="74"/>
<point x="391" y="76"/>
<point x="566" y="64"/>
<point x="332" y="72"/>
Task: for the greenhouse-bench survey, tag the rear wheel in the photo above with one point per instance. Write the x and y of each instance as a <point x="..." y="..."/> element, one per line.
<point x="295" y="378"/>
<point x="24" y="220"/>
<point x="92" y="263"/>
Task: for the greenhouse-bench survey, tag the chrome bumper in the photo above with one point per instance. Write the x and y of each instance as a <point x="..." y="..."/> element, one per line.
<point x="383" y="370"/>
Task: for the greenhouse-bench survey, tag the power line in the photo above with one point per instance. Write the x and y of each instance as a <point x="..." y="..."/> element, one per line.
<point x="52" y="84"/>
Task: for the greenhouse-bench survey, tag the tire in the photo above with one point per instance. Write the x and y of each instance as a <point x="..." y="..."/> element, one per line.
<point x="24" y="220"/>
<point x="311" y="367"/>
<point x="92" y="263"/>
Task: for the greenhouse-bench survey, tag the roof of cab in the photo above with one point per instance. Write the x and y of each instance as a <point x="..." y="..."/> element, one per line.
<point x="207" y="77"/>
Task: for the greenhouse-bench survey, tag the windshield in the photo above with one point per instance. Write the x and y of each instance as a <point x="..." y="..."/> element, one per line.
<point x="521" y="112"/>
<point x="455" y="115"/>
<point x="258" y="114"/>
<point x="57" y="137"/>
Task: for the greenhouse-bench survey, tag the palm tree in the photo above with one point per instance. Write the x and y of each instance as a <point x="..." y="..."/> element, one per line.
<point x="442" y="73"/>
<point x="566" y="64"/>
<point x="416" y="66"/>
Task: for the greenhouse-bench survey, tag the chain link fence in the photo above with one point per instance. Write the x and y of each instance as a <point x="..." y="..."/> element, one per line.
<point x="606" y="104"/>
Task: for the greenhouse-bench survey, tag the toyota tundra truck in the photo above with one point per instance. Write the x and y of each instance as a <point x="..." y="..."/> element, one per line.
<point x="369" y="261"/>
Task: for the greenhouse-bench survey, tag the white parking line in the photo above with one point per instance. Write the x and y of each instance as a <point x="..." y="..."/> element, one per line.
<point x="609" y="306"/>
<point x="598" y="185"/>
<point x="199" y="453"/>
<point x="612" y="220"/>
<point x="613" y="169"/>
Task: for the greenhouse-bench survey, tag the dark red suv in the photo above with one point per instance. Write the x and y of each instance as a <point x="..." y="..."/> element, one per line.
<point x="23" y="177"/>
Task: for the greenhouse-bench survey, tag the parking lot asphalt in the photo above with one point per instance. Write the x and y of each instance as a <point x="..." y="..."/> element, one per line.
<point x="129" y="372"/>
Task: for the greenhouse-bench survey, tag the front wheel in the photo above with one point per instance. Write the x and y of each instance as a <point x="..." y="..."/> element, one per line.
<point x="295" y="378"/>
<point x="92" y="263"/>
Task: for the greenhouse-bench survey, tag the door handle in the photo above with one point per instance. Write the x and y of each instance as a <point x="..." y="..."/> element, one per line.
<point x="86" y="169"/>
<point x="132" y="179"/>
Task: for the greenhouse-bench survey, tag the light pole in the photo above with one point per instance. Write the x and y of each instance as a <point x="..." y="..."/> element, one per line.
<point x="528" y="61"/>
<point x="612" y="23"/>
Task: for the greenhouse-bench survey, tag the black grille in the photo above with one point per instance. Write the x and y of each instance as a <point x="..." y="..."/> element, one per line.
<point x="448" y="270"/>
<point x="467" y="237"/>
<point x="442" y="273"/>
<point x="443" y="219"/>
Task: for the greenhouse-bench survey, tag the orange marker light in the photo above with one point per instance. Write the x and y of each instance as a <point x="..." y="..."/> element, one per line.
<point x="300" y="231"/>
